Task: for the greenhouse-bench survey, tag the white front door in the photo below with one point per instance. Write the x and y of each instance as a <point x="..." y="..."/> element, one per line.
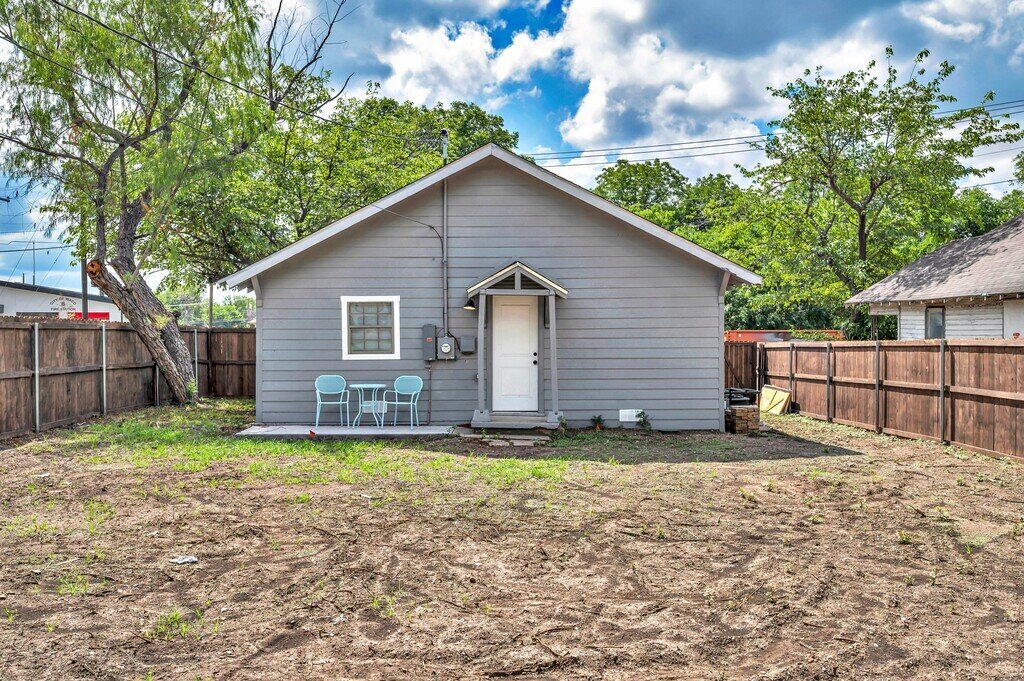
<point x="514" y="365"/>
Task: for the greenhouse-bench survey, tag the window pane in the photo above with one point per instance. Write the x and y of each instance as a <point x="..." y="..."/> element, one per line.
<point x="371" y="327"/>
<point x="935" y="322"/>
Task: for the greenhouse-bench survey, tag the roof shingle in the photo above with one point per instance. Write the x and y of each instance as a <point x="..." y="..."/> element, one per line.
<point x="988" y="265"/>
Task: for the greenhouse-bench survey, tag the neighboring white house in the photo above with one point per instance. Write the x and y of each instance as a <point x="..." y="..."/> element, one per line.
<point x="969" y="288"/>
<point x="17" y="299"/>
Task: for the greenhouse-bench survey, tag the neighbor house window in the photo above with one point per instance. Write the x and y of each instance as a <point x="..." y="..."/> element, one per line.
<point x="935" y="322"/>
<point x="370" y="327"/>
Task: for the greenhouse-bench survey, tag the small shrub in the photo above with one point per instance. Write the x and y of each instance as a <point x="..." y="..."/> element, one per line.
<point x="643" y="420"/>
<point x="598" y="422"/>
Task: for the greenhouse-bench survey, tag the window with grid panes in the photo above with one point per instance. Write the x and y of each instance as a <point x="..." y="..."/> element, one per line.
<point x="371" y="327"/>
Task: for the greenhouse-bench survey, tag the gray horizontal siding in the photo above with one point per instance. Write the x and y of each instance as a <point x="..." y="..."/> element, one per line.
<point x="640" y="328"/>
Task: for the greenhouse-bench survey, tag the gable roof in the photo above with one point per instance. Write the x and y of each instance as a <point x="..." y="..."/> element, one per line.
<point x="242" y="277"/>
<point x="523" y="268"/>
<point x="990" y="265"/>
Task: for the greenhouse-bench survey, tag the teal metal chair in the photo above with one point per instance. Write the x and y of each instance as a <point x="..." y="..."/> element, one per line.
<point x="406" y="393"/>
<point x="329" y="386"/>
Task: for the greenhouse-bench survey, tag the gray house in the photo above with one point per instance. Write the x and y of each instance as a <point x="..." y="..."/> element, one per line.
<point x="969" y="288"/>
<point x="519" y="297"/>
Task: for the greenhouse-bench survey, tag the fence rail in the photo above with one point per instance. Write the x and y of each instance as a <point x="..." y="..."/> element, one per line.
<point x="57" y="372"/>
<point x="966" y="392"/>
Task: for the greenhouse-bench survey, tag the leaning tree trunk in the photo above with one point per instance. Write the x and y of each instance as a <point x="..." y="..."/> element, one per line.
<point x="157" y="327"/>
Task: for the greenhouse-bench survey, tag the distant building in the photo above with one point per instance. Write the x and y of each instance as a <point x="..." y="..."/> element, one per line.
<point x="19" y="300"/>
<point x="969" y="288"/>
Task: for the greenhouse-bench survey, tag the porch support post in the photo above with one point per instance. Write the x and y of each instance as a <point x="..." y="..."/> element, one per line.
<point x="481" y="361"/>
<point x="554" y="414"/>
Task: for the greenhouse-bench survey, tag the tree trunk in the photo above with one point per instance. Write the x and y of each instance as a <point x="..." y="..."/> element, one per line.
<point x="155" y="325"/>
<point x="862" y="237"/>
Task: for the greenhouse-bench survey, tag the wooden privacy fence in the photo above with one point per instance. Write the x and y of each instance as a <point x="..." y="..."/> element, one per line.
<point x="741" y="364"/>
<point x="966" y="392"/>
<point x="56" y="372"/>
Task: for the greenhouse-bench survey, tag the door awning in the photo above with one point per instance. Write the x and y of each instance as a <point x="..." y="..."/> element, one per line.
<point x="518" y="276"/>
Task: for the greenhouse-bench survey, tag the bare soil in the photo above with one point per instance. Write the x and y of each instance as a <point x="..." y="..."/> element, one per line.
<point x="813" y="551"/>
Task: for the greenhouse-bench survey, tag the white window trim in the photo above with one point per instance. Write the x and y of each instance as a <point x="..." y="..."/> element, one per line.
<point x="395" y="306"/>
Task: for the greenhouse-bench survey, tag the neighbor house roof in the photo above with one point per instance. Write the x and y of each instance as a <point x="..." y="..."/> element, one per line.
<point x="243" y="277"/>
<point x="990" y="265"/>
<point x="49" y="290"/>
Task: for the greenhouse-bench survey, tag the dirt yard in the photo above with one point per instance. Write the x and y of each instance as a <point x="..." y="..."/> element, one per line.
<point x="810" y="552"/>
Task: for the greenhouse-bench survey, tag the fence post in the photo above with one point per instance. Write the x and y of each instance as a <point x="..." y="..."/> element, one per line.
<point x="942" y="390"/>
<point x="35" y="375"/>
<point x="828" y="382"/>
<point x="757" y="367"/>
<point x="195" y="356"/>
<point x="103" y="382"/>
<point x="878" y="386"/>
<point x="211" y="388"/>
<point x="792" y="349"/>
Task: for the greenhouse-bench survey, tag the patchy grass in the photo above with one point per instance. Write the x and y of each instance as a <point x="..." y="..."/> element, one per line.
<point x="811" y="551"/>
<point x="176" y="624"/>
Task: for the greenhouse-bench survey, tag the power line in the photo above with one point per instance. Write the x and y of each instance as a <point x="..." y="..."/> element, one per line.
<point x="752" y="148"/>
<point x="1006" y="108"/>
<point x="225" y="81"/>
<point x="986" y="184"/>
<point x="644" y="160"/>
<point x="35" y="248"/>
<point x="653" y="146"/>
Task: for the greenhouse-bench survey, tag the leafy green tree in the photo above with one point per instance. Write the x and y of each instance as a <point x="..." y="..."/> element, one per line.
<point x="305" y="174"/>
<point x="861" y="169"/>
<point x="115" y="105"/>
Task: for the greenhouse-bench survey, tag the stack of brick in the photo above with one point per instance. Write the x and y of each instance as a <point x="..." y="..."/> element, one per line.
<point x="745" y="419"/>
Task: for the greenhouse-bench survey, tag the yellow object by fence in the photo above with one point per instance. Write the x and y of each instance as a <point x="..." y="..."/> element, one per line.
<point x="774" y="400"/>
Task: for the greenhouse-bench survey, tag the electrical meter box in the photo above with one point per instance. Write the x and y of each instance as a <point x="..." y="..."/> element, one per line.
<point x="445" y="347"/>
<point x="437" y="347"/>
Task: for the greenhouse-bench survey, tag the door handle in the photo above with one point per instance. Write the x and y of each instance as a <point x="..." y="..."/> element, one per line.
<point x="535" y="354"/>
<point x="535" y="361"/>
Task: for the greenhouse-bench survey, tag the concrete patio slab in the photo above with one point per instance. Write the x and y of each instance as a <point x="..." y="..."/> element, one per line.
<point x="343" y="432"/>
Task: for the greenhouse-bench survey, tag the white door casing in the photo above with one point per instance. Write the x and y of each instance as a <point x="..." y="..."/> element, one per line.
<point x="515" y="354"/>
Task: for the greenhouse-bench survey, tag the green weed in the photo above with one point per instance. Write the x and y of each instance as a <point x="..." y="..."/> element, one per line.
<point x="73" y="584"/>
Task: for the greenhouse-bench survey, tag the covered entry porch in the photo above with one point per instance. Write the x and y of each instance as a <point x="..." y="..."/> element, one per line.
<point x="516" y="309"/>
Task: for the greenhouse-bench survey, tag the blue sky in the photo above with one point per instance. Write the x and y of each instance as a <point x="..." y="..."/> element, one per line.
<point x="586" y="74"/>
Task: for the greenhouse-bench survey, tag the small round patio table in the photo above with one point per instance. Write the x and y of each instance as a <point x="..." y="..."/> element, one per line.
<point x="373" y="389"/>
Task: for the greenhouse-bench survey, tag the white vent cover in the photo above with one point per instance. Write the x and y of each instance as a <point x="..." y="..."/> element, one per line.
<point x="629" y="415"/>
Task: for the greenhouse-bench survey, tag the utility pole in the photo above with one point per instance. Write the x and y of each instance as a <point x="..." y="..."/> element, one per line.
<point x="33" y="262"/>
